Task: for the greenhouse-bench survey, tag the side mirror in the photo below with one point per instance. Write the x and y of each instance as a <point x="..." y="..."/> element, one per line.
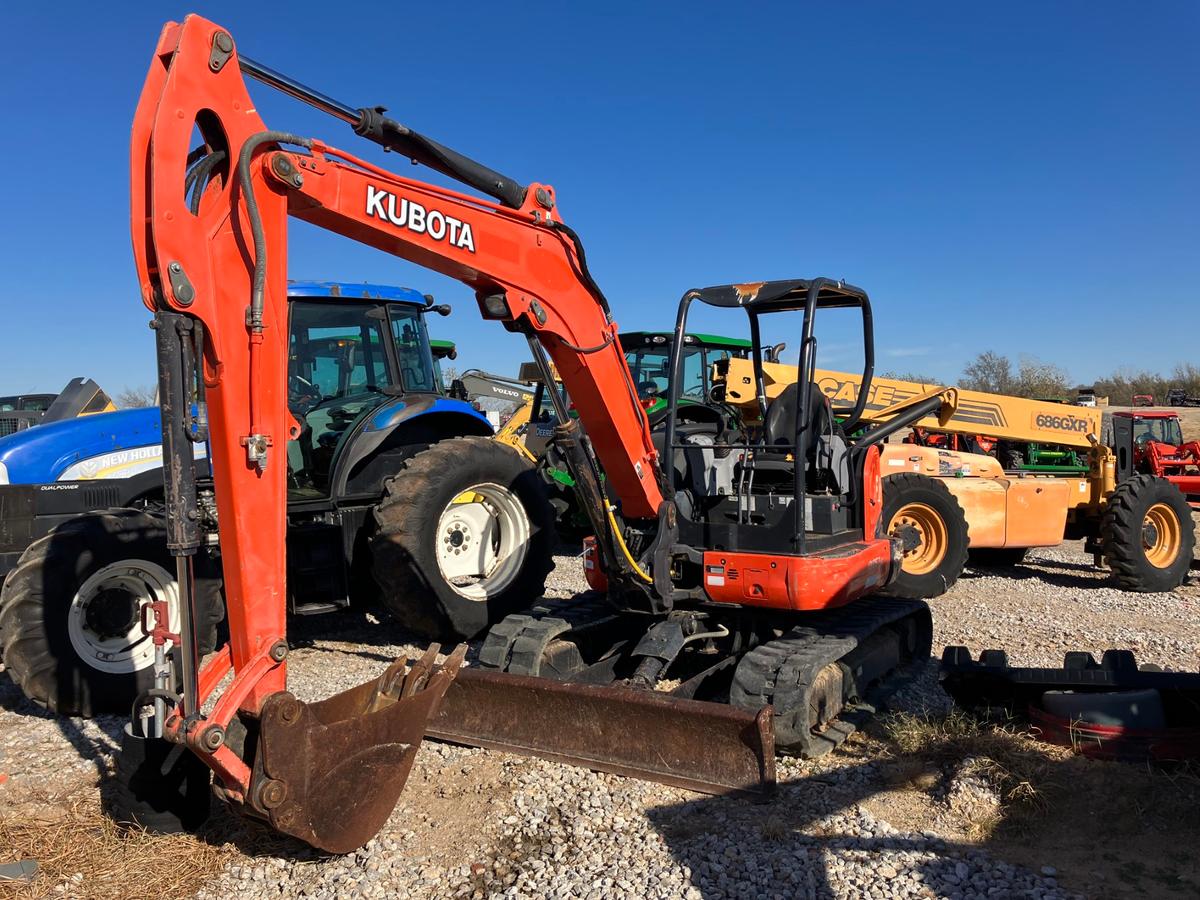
<point x="442" y="309"/>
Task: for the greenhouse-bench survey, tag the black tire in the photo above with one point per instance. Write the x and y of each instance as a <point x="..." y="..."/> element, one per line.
<point x="904" y="492"/>
<point x="997" y="557"/>
<point x="404" y="550"/>
<point x="1010" y="459"/>
<point x="158" y="785"/>
<point x="1130" y="541"/>
<point x="36" y="601"/>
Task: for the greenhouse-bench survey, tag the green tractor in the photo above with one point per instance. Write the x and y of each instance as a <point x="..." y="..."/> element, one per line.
<point x="442" y="349"/>
<point x="648" y="355"/>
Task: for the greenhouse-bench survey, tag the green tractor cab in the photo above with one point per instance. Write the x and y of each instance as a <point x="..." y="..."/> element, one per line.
<point x="648" y="354"/>
<point x="442" y="350"/>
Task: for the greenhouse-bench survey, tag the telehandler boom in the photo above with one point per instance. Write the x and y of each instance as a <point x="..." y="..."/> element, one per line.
<point x="732" y="563"/>
<point x="1133" y="518"/>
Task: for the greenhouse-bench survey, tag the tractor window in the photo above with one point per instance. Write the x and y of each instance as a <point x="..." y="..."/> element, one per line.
<point x="651" y="366"/>
<point x="412" y="348"/>
<point x="1164" y="431"/>
<point x="38" y="404"/>
<point x="338" y="370"/>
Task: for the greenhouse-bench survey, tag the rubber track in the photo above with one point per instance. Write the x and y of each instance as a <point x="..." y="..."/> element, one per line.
<point x="780" y="672"/>
<point x="516" y="643"/>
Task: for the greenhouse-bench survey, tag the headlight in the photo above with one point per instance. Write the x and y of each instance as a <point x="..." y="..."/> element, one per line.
<point x="3" y="474"/>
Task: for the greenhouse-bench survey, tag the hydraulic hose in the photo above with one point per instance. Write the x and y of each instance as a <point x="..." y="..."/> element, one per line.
<point x="255" y="318"/>
<point x="198" y="177"/>
<point x="633" y="563"/>
<point x="254" y="315"/>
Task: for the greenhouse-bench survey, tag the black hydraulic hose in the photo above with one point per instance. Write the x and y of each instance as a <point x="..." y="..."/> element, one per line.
<point x="582" y="270"/>
<point x="258" y="288"/>
<point x="199" y="430"/>
<point x="585" y="276"/>
<point x="198" y="177"/>
<point x="584" y="351"/>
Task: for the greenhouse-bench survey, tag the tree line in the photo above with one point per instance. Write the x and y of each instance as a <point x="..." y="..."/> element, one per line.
<point x="1031" y="377"/>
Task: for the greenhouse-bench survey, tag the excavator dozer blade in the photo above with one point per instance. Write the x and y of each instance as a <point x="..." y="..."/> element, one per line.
<point x="330" y="773"/>
<point x="707" y="747"/>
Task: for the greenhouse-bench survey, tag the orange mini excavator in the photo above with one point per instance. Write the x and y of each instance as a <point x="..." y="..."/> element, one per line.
<point x="747" y="575"/>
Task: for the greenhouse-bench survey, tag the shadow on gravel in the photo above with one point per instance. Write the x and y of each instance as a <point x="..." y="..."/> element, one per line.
<point x="782" y="847"/>
<point x="1038" y="572"/>
<point x="1108" y="829"/>
<point x="95" y="740"/>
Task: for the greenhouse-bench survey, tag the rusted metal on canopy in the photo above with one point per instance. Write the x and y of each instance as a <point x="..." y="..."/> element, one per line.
<point x="706" y="747"/>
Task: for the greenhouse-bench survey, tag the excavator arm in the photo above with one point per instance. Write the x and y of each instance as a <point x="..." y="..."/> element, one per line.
<point x="218" y="255"/>
<point x="209" y="227"/>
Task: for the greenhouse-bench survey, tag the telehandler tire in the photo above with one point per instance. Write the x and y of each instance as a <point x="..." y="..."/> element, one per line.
<point x="928" y="516"/>
<point x="465" y="537"/>
<point x="70" y="628"/>
<point x="1147" y="535"/>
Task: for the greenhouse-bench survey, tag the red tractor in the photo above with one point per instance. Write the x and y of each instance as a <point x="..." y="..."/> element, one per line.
<point x="1151" y="443"/>
<point x="963" y="443"/>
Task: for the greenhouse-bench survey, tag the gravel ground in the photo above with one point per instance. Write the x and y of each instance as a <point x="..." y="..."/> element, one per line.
<point x="477" y="824"/>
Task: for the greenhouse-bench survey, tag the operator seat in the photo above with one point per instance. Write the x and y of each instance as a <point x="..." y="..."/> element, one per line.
<point x="827" y="452"/>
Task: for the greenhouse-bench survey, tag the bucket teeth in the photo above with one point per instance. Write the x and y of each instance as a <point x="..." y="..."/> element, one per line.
<point x="420" y="671"/>
<point x="333" y="770"/>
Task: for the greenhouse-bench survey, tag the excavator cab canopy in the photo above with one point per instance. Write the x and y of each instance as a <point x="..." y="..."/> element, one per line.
<point x="800" y="449"/>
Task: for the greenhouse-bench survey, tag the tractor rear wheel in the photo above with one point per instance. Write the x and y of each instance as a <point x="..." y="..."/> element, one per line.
<point x="465" y="537"/>
<point x="70" y="612"/>
<point x="1147" y="534"/>
<point x="927" y="517"/>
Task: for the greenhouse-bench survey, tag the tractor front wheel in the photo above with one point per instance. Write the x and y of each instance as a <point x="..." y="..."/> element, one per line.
<point x="1147" y="535"/>
<point x="465" y="537"/>
<point x="927" y="518"/>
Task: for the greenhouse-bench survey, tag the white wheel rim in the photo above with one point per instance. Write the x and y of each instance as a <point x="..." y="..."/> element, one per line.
<point x="102" y="635"/>
<point x="482" y="540"/>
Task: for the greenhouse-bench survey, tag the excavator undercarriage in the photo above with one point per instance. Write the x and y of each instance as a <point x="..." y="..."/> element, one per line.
<point x="738" y="579"/>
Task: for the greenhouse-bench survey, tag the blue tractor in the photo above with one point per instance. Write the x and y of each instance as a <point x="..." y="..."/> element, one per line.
<point x="395" y="493"/>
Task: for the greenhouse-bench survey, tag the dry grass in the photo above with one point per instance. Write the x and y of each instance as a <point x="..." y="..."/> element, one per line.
<point x="81" y="849"/>
<point x="1118" y="829"/>
<point x="1008" y="757"/>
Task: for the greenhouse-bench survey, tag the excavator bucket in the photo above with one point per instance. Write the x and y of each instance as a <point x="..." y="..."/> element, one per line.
<point x="330" y="773"/>
<point x="707" y="747"/>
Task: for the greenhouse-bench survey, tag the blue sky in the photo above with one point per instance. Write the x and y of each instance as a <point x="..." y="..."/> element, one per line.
<point x="1019" y="177"/>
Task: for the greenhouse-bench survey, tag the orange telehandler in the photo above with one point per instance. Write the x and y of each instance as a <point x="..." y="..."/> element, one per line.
<point x="744" y="569"/>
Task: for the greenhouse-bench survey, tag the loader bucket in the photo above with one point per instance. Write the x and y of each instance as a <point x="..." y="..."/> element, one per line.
<point x="330" y="773"/>
<point x="707" y="747"/>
